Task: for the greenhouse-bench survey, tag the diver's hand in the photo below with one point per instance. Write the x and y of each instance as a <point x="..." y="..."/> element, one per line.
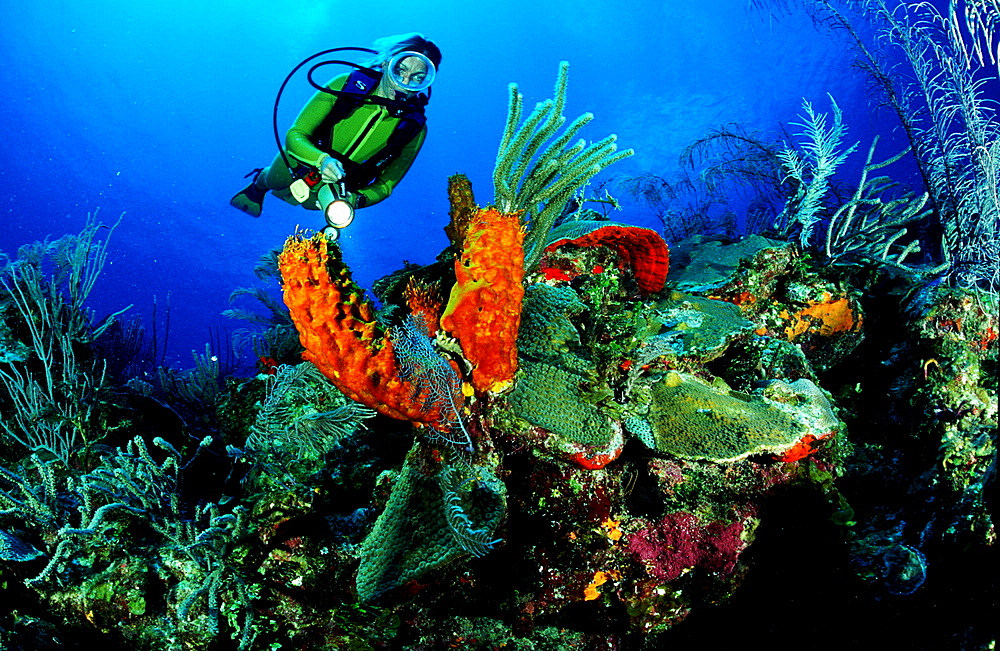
<point x="331" y="170"/>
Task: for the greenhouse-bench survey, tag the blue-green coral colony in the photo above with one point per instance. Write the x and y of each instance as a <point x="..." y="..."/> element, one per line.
<point x="549" y="396"/>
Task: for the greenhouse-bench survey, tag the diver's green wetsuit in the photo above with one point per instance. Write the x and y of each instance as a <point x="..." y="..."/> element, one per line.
<point x="360" y="135"/>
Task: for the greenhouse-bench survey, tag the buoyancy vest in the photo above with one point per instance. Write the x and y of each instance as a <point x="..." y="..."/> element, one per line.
<point x="356" y="92"/>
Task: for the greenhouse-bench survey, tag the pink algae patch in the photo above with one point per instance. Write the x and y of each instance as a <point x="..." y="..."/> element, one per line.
<point x="679" y="542"/>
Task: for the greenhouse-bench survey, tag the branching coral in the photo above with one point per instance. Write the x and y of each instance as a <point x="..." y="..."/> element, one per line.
<point x="196" y="550"/>
<point x="279" y="341"/>
<point x="201" y="389"/>
<point x="955" y="133"/>
<point x="538" y="177"/>
<point x="868" y="228"/>
<point x="191" y="546"/>
<point x="947" y="116"/>
<point x="51" y="402"/>
<point x="728" y="164"/>
<point x="822" y="157"/>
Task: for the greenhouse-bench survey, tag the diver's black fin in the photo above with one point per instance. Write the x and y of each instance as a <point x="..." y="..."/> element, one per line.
<point x="251" y="198"/>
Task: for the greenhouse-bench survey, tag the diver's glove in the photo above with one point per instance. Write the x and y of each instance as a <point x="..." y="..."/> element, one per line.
<point x="331" y="170"/>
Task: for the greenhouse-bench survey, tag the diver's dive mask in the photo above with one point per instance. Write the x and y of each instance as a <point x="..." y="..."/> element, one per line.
<point x="410" y="72"/>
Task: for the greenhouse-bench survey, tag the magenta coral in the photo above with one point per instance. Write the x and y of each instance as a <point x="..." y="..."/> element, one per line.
<point x="679" y="542"/>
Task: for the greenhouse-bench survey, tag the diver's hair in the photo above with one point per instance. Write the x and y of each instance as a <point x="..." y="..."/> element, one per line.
<point x="412" y="42"/>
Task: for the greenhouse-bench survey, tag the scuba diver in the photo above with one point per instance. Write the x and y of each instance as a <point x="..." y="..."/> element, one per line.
<point x="356" y="138"/>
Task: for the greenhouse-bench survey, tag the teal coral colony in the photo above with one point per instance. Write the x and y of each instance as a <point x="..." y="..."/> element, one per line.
<point x="418" y="531"/>
<point x="669" y="415"/>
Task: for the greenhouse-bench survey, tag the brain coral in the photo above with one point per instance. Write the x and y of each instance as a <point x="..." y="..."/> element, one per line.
<point x="694" y="421"/>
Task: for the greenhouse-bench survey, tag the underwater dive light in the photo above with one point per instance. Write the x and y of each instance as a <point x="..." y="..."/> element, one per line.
<point x="333" y="201"/>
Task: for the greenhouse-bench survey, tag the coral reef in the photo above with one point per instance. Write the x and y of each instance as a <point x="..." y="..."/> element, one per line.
<point x="550" y="397"/>
<point x="590" y="440"/>
<point x="52" y="390"/>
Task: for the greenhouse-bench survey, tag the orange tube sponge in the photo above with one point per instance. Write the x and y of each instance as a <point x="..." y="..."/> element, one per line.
<point x="337" y="327"/>
<point x="484" y="310"/>
<point x="424" y="300"/>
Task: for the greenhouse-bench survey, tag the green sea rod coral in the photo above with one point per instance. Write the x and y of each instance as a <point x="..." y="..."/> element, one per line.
<point x="539" y="175"/>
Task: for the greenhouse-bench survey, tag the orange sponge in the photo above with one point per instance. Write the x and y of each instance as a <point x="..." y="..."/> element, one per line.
<point x="337" y="327"/>
<point x="484" y="310"/>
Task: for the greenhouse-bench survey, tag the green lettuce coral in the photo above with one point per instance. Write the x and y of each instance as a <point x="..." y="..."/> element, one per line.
<point x="693" y="420"/>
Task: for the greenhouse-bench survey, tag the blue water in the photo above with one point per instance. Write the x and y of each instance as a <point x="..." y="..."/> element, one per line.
<point x="155" y="111"/>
